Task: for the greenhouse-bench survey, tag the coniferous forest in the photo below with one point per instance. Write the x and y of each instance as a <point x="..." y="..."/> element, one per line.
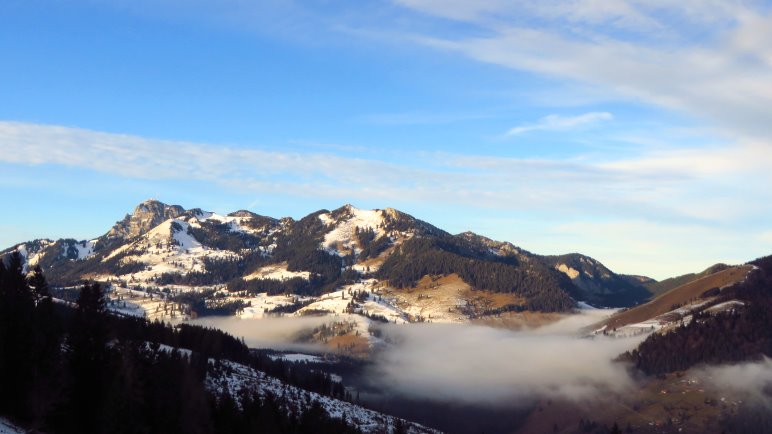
<point x="80" y="370"/>
<point x="543" y="290"/>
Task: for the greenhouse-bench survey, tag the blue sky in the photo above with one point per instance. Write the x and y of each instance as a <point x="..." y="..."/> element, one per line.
<point x="633" y="131"/>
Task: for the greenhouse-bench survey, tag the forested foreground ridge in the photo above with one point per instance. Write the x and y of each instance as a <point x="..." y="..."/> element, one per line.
<point x="81" y="370"/>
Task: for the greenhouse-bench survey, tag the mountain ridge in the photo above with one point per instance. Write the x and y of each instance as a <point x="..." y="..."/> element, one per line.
<point x="161" y="245"/>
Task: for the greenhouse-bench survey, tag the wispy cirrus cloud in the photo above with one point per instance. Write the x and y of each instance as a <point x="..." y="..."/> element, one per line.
<point x="637" y="184"/>
<point x="560" y="123"/>
<point x="709" y="60"/>
<point x="437" y="177"/>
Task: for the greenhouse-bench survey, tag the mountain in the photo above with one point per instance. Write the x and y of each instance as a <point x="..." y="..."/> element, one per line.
<point x="725" y="317"/>
<point x="172" y="250"/>
<point x="660" y="287"/>
<point x="145" y="217"/>
<point x="597" y="284"/>
<point x="695" y="341"/>
<point x="668" y="309"/>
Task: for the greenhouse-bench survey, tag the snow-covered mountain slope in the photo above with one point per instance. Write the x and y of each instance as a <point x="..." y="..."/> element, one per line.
<point x="32" y="251"/>
<point x="346" y="224"/>
<point x="171" y="250"/>
<point x="7" y="427"/>
<point x="169" y="247"/>
<point x="233" y="378"/>
<point x="277" y="271"/>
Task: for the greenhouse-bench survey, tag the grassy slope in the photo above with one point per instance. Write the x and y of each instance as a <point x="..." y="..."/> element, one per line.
<point x="680" y="295"/>
<point x="657" y="288"/>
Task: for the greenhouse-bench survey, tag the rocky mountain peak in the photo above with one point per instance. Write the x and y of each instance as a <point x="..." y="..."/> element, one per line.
<point x="145" y="217"/>
<point x="344" y="212"/>
<point x="243" y="213"/>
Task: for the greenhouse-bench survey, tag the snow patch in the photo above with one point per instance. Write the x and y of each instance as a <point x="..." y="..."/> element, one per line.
<point x="85" y="249"/>
<point x="182" y="237"/>
<point x="261" y="303"/>
<point x="235" y="224"/>
<point x="726" y="306"/>
<point x="296" y="358"/>
<point x="343" y="235"/>
<point x="22" y="249"/>
<point x="277" y="272"/>
<point x="168" y="349"/>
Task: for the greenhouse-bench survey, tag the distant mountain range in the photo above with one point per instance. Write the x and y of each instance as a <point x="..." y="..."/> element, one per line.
<point x="164" y="245"/>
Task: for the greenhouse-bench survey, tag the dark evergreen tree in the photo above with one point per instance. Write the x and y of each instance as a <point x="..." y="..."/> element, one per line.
<point x="16" y="330"/>
<point x="37" y="281"/>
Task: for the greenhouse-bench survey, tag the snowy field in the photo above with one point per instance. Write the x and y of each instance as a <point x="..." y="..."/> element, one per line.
<point x="236" y="377"/>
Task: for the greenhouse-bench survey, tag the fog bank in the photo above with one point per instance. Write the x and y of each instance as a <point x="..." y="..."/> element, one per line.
<point x="753" y="379"/>
<point x="468" y="363"/>
<point x="476" y="364"/>
<point x="279" y="333"/>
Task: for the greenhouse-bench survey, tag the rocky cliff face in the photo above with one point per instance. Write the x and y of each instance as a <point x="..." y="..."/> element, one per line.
<point x="145" y="217"/>
<point x="597" y="284"/>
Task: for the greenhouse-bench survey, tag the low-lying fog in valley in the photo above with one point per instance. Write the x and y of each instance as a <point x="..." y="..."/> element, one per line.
<point x="275" y="332"/>
<point x="468" y="363"/>
<point x="477" y="364"/>
<point x="463" y="378"/>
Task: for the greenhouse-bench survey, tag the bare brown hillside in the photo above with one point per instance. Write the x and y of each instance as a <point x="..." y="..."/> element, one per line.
<point x="677" y="296"/>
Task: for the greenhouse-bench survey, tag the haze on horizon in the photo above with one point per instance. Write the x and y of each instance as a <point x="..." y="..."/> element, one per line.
<point x="634" y="132"/>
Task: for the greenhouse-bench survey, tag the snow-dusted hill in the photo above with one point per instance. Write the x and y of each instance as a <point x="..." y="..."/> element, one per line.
<point x="234" y="378"/>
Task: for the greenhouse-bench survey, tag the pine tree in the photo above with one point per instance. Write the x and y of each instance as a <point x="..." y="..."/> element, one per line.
<point x="37" y="281"/>
<point x="16" y="328"/>
<point x="88" y="357"/>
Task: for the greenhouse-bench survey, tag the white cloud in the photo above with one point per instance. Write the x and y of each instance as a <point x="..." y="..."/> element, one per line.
<point x="715" y="190"/>
<point x="557" y="122"/>
<point x="664" y="184"/>
<point x="708" y="59"/>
